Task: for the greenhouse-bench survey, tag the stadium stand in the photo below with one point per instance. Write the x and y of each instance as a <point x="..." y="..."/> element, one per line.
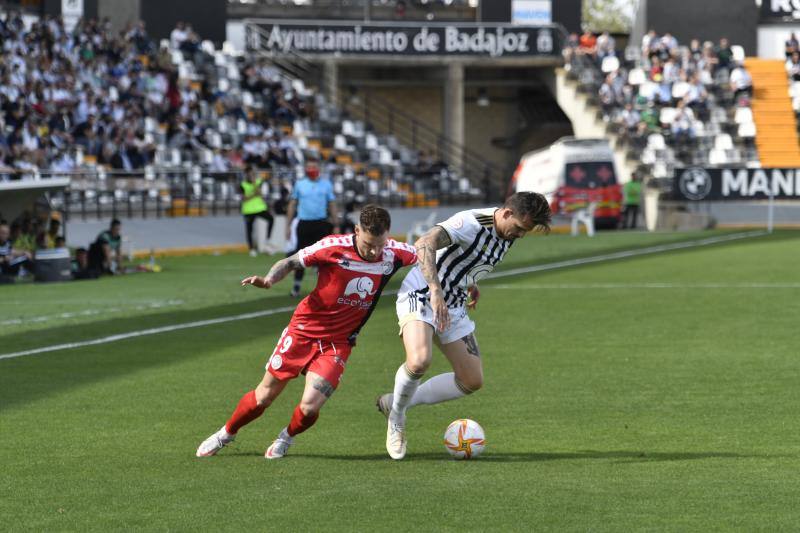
<point x="140" y="124"/>
<point x="669" y="105"/>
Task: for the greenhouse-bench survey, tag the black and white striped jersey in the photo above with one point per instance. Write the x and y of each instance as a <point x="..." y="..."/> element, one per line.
<point x="474" y="251"/>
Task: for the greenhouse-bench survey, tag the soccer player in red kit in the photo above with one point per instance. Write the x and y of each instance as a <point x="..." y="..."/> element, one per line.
<point x="353" y="270"/>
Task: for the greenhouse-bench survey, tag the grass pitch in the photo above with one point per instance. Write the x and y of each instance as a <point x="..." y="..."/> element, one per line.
<point x="657" y="392"/>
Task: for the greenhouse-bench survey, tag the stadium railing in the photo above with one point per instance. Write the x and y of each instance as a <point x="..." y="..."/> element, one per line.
<point x="162" y="191"/>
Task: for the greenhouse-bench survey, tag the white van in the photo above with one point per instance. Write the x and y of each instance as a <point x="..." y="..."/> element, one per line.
<point x="571" y="173"/>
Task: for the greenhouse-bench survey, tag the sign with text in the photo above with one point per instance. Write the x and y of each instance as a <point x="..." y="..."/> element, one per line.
<point x="780" y="9"/>
<point x="487" y="40"/>
<point x="715" y="184"/>
<point x="532" y="12"/>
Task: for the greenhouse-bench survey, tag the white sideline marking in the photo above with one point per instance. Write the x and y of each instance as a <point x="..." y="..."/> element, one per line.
<point x="625" y="254"/>
<point x="505" y="273"/>
<point x="144" y="332"/>
<point x="654" y="285"/>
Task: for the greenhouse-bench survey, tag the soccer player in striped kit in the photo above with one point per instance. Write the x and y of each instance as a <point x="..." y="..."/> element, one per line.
<point x="435" y="296"/>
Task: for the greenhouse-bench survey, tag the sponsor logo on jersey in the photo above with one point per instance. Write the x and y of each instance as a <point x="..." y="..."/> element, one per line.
<point x="362" y="286"/>
<point x="357" y="292"/>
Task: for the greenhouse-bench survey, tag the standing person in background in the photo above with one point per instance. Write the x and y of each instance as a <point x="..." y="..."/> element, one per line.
<point x="11" y="258"/>
<point x="254" y="206"/>
<point x="53" y="231"/>
<point x="312" y="201"/>
<point x="631" y="198"/>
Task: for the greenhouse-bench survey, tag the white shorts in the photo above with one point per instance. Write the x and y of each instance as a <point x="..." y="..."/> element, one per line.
<point x="413" y="306"/>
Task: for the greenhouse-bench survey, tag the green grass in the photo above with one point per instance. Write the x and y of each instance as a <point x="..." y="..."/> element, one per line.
<point x="653" y="393"/>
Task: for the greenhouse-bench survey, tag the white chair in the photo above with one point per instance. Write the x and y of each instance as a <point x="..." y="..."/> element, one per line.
<point x="738" y="53"/>
<point x="743" y="115"/>
<point x="247" y="99"/>
<point x="656" y="141"/>
<point x="648" y="90"/>
<point x="420" y="227"/>
<point x="339" y="142"/>
<point x="717" y="157"/>
<point x="583" y="216"/>
<point x="371" y="142"/>
<point x="385" y="157"/>
<point x="723" y="141"/>
<point x="207" y="47"/>
<point x="667" y="115"/>
<point x="699" y="128"/>
<point x="348" y="128"/>
<point x="680" y="89"/>
<point x="637" y="77"/>
<point x="610" y="64"/>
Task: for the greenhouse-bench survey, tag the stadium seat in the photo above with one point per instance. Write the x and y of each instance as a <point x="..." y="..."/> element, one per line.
<point x="743" y="115"/>
<point x="610" y="64"/>
<point x="637" y="76"/>
<point x="738" y="53"/>
<point x="723" y="141"/>
<point x="656" y="141"/>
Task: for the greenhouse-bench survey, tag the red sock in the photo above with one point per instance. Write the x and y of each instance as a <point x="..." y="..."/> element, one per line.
<point x="300" y="422"/>
<point x="247" y="411"/>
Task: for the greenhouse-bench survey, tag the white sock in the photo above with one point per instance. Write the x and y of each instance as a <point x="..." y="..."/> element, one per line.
<point x="405" y="385"/>
<point x="284" y="435"/>
<point x="441" y="388"/>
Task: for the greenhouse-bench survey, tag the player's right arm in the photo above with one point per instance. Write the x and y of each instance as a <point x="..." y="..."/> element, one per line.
<point x="427" y="245"/>
<point x="278" y="271"/>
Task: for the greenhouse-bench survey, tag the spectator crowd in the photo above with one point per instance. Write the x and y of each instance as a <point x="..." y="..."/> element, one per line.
<point x="662" y="87"/>
<point x="90" y="96"/>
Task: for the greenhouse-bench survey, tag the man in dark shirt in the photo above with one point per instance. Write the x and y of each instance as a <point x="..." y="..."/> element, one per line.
<point x="105" y="253"/>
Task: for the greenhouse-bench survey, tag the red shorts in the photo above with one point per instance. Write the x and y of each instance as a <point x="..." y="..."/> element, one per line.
<point x="295" y="355"/>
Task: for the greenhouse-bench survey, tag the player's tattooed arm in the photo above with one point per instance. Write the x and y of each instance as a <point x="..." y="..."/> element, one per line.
<point x="426" y="246"/>
<point x="278" y="271"/>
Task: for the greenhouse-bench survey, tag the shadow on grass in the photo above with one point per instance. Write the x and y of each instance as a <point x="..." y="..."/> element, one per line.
<point x="619" y="456"/>
<point x="28" y="378"/>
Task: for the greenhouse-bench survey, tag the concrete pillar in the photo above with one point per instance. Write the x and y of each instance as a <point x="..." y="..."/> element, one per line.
<point x="330" y="81"/>
<point x="453" y="119"/>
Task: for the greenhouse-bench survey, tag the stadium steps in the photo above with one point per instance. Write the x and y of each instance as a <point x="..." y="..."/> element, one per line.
<point x="776" y="138"/>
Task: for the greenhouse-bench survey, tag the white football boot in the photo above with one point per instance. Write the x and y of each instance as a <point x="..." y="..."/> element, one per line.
<point x="384" y="404"/>
<point x="279" y="446"/>
<point x="396" y="439"/>
<point x="215" y="443"/>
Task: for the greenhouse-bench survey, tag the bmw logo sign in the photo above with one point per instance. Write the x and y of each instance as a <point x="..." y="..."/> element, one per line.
<point x="695" y="183"/>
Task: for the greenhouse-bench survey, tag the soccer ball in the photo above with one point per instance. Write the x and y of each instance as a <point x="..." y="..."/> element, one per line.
<point x="464" y="439"/>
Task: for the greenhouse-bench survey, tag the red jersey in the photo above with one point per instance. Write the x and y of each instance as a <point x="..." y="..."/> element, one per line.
<point x="348" y="287"/>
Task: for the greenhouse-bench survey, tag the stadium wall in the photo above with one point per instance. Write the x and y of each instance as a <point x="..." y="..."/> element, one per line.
<point x="707" y="20"/>
<point x="207" y="17"/>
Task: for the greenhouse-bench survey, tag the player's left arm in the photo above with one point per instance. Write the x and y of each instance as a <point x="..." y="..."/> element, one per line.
<point x="278" y="271"/>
